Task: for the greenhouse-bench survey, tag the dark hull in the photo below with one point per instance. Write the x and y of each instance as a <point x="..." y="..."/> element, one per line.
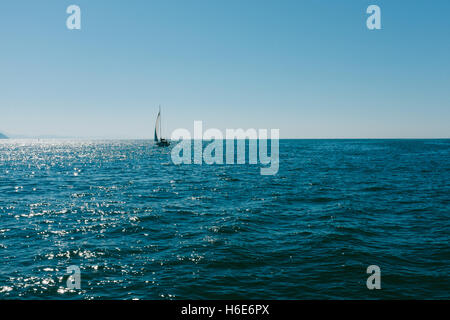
<point x="163" y="143"/>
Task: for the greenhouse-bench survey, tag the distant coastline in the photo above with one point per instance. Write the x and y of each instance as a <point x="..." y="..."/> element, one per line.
<point x="2" y="136"/>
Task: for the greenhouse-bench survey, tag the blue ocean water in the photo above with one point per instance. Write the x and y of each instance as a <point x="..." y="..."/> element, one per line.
<point x="140" y="227"/>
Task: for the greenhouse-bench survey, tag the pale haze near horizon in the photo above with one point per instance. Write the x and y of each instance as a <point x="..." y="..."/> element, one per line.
<point x="311" y="69"/>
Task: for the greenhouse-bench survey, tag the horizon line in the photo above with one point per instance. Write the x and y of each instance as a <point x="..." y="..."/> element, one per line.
<point x="290" y="138"/>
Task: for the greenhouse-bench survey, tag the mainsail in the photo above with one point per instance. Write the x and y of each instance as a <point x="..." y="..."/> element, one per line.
<point x="160" y="141"/>
<point x="157" y="129"/>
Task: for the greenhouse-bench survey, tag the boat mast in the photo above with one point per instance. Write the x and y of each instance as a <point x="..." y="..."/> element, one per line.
<point x="160" y="124"/>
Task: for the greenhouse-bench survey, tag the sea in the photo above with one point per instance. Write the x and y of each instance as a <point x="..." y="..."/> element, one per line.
<point x="137" y="226"/>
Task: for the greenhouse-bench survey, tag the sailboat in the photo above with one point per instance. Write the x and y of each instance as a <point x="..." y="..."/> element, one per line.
<point x="160" y="142"/>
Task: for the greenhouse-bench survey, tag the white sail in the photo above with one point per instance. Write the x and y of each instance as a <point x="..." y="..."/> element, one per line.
<point x="157" y="127"/>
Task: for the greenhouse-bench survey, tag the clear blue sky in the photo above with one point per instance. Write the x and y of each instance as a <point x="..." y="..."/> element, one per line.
<point x="310" y="68"/>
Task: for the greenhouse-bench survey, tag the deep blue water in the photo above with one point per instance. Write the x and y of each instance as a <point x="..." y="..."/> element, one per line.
<point x="141" y="227"/>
